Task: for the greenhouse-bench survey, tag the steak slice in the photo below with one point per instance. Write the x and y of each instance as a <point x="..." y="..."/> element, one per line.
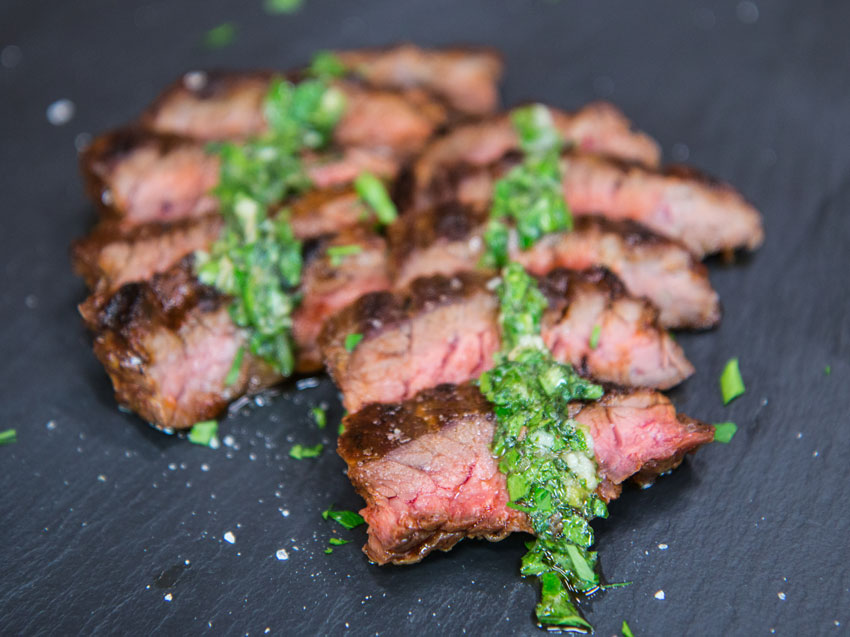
<point x="466" y="78"/>
<point x="598" y="127"/>
<point x="446" y="330"/>
<point x="425" y="468"/>
<point x="112" y="255"/>
<point x="678" y="202"/>
<point x="449" y="239"/>
<point x="169" y="343"/>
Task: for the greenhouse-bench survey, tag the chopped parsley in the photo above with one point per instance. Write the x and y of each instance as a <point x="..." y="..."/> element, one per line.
<point x="530" y="196"/>
<point x="594" y="336"/>
<point x="220" y="36"/>
<point x="299" y="452"/>
<point x="348" y="519"/>
<point x="320" y="417"/>
<point x="338" y="541"/>
<point x="327" y="64"/>
<point x="627" y="632"/>
<point x="282" y="6"/>
<point x="544" y="454"/>
<point x="337" y="254"/>
<point x="827" y="370"/>
<point x="731" y="383"/>
<point x="372" y="191"/>
<point x="235" y="368"/>
<point x="204" y="433"/>
<point x="328" y="551"/>
<point x="8" y="437"/>
<point x="257" y="259"/>
<point x="724" y="431"/>
<point x="352" y="341"/>
<point x="341" y="429"/>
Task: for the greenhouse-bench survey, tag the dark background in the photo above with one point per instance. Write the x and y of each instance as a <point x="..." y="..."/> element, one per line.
<point x="102" y="517"/>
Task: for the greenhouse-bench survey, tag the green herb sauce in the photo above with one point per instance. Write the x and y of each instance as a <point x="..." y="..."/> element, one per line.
<point x="545" y="455"/>
<point x="530" y="196"/>
<point x="257" y="259"/>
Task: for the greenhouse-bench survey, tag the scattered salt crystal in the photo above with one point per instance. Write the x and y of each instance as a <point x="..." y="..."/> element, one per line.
<point x="282" y="554"/>
<point x="172" y="466"/>
<point x="195" y="80"/>
<point x="205" y="467"/>
<point x="168" y="597"/>
<point x="101" y="478"/>
<point x="781" y="595"/>
<point x="229" y="537"/>
<point x="267" y="630"/>
<point x="662" y="547"/>
<point x="307" y="383"/>
<point x="31" y="301"/>
<point x="61" y="112"/>
<point x="186" y="562"/>
<point x="284" y="512"/>
<point x="815" y="454"/>
<point x="51" y="425"/>
<point x="659" y="595"/>
<point x="229" y="441"/>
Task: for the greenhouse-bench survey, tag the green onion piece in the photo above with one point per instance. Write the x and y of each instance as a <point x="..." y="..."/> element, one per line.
<point x="235" y="368"/>
<point x="372" y="191"/>
<point x="338" y="541"/>
<point x="352" y="341"/>
<point x="827" y="370"/>
<point x="627" y="632"/>
<point x="327" y="65"/>
<point x="724" y="431"/>
<point x="204" y="433"/>
<point x="594" y="337"/>
<point x="299" y="452"/>
<point x="348" y="519"/>
<point x="8" y="437"/>
<point x="282" y="6"/>
<point x="320" y="417"/>
<point x="731" y="383"/>
<point x="337" y="254"/>
<point x="220" y="36"/>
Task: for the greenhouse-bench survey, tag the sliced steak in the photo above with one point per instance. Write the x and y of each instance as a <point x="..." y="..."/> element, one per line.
<point x="678" y="202"/>
<point x="598" y="127"/>
<point x="169" y="343"/>
<point x="446" y="330"/>
<point x="112" y="255"/>
<point x="467" y="78"/>
<point x="429" y="478"/>
<point x="449" y="239"/>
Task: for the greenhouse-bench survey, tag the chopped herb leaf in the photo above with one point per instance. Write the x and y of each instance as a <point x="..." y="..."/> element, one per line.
<point x="827" y="370"/>
<point x="627" y="632"/>
<point x="282" y="6"/>
<point x="341" y="429"/>
<point x="594" y="336"/>
<point x="724" y="431"/>
<point x="320" y="417"/>
<point x="235" y="368"/>
<point x="352" y="341"/>
<point x="338" y="541"/>
<point x="543" y="453"/>
<point x="530" y="197"/>
<point x="220" y="36"/>
<point x="257" y="259"/>
<point x="326" y="65"/>
<point x="299" y="452"/>
<point x="372" y="191"/>
<point x="731" y="383"/>
<point x="337" y="254"/>
<point x="8" y="437"/>
<point x="348" y="519"/>
<point x="204" y="433"/>
<point x="328" y="551"/>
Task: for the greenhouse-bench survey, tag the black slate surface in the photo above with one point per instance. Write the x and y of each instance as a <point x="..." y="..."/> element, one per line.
<point x="104" y="520"/>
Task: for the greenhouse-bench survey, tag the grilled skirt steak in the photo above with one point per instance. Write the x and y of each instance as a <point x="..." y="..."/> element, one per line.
<point x="169" y="343"/>
<point x="678" y="202"/>
<point x="429" y="479"/>
<point x="446" y="330"/>
<point x="449" y="239"/>
<point x="599" y="127"/>
<point x="111" y="255"/>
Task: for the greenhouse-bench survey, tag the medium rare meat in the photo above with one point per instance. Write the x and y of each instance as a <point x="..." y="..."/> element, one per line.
<point x="467" y="78"/>
<point x="169" y="343"/>
<point x="678" y="202"/>
<point x="112" y="255"/>
<point x="446" y="330"/>
<point x="429" y="478"/>
<point x="598" y="127"/>
<point x="449" y="239"/>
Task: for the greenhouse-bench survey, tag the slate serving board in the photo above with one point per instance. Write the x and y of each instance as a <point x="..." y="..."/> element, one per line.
<point x="110" y="527"/>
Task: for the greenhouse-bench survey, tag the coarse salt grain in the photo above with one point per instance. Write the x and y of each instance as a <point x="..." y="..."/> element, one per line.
<point x="660" y="595"/>
<point x="282" y="554"/>
<point x="229" y="537"/>
<point x="61" y="112"/>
